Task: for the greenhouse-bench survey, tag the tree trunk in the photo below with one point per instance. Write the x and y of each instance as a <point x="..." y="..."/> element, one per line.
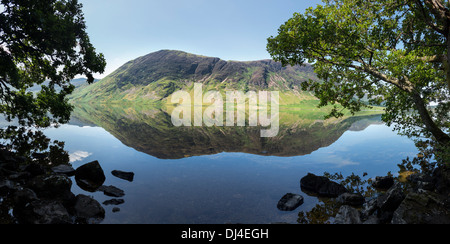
<point x="438" y="134"/>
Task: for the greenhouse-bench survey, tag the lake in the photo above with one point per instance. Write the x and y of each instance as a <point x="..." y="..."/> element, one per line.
<point x="218" y="175"/>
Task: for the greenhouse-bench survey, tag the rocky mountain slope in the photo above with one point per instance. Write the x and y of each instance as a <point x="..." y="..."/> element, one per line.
<point x="156" y="76"/>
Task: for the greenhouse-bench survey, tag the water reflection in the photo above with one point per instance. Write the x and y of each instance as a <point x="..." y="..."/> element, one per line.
<point x="150" y="130"/>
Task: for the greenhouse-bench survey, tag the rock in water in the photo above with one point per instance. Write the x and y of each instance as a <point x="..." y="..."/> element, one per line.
<point x="383" y="183"/>
<point x="114" y="202"/>
<point x="321" y="186"/>
<point x="351" y="199"/>
<point x="129" y="176"/>
<point x="290" y="202"/>
<point x="112" y="191"/>
<point x="90" y="176"/>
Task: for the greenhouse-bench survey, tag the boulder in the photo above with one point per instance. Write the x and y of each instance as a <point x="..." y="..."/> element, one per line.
<point x="7" y="187"/>
<point x="51" y="186"/>
<point x="422" y="208"/>
<point x="112" y="191"/>
<point x="347" y="215"/>
<point x="391" y="199"/>
<point x="43" y="212"/>
<point x="88" y="210"/>
<point x="90" y="176"/>
<point x="64" y="169"/>
<point x="23" y="196"/>
<point x="422" y="181"/>
<point x="369" y="208"/>
<point x="352" y="199"/>
<point x="441" y="180"/>
<point x="114" y="202"/>
<point x="321" y="186"/>
<point x="129" y="176"/>
<point x="383" y="183"/>
<point x="290" y="202"/>
<point x="389" y="202"/>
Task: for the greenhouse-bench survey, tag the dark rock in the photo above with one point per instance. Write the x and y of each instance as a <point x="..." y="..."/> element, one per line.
<point x="19" y="176"/>
<point x="372" y="220"/>
<point x="389" y="202"/>
<point x="7" y="187"/>
<point x="115" y="210"/>
<point x="12" y="166"/>
<point x="51" y="186"/>
<point x="422" y="208"/>
<point x="64" y="169"/>
<point x="322" y="186"/>
<point x="383" y="183"/>
<point x="114" y="202"/>
<point x="290" y="202"/>
<point x="43" y="212"/>
<point x="351" y="199"/>
<point x="24" y="196"/>
<point x="112" y="191"/>
<point x="421" y="181"/>
<point x="441" y="180"/>
<point x="347" y="215"/>
<point x="129" y="176"/>
<point x="369" y="208"/>
<point x="88" y="210"/>
<point x="90" y="176"/>
<point x="391" y="199"/>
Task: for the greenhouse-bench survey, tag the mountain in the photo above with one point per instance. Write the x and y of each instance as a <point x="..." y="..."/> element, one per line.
<point x="156" y="76"/>
<point x="78" y="82"/>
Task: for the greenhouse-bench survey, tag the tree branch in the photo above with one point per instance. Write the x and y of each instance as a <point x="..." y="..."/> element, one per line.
<point x="428" y="19"/>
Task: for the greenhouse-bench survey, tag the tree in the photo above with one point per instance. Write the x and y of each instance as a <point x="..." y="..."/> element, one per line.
<point x="43" y="42"/>
<point x="394" y="53"/>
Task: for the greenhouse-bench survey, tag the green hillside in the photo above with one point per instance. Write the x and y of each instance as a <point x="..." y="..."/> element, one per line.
<point x="154" y="77"/>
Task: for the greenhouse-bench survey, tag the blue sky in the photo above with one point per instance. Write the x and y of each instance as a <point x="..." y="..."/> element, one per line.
<point x="229" y="29"/>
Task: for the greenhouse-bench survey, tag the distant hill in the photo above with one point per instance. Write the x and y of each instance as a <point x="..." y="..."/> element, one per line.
<point x="79" y="82"/>
<point x="156" y="76"/>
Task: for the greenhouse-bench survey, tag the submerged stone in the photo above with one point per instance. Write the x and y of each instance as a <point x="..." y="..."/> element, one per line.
<point x="290" y="202"/>
<point x="129" y="176"/>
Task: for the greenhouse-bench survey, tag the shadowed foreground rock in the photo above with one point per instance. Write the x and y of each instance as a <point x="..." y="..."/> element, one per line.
<point x="40" y="194"/>
<point x="422" y="199"/>
<point x="88" y="210"/>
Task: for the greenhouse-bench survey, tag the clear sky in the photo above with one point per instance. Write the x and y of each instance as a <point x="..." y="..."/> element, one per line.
<point x="229" y="29"/>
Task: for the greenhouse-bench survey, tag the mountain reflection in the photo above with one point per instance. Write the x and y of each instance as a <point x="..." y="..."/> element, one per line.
<point x="150" y="130"/>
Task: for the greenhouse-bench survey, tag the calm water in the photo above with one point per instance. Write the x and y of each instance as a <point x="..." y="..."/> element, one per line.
<point x="209" y="176"/>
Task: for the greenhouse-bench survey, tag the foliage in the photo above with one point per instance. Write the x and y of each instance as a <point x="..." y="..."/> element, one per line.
<point x="390" y="52"/>
<point x="42" y="40"/>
